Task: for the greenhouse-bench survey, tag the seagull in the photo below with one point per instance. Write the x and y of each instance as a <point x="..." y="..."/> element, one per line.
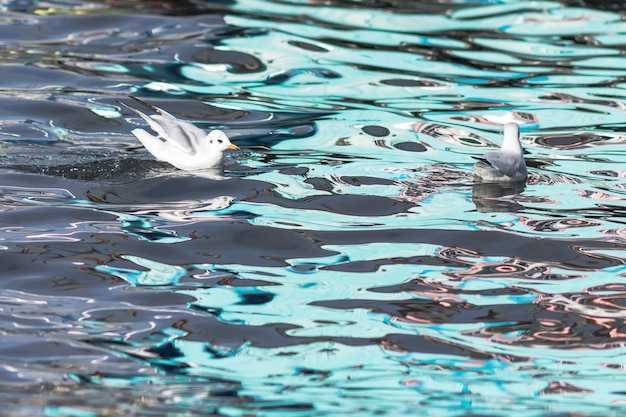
<point x="505" y="165"/>
<point x="180" y="143"/>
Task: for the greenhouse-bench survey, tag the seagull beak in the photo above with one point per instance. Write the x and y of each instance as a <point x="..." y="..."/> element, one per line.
<point x="233" y="147"/>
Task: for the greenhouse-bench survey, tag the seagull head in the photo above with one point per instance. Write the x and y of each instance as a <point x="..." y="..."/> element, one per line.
<point x="511" y="143"/>
<point x="217" y="140"/>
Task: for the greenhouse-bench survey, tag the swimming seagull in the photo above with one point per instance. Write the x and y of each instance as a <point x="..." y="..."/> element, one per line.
<point x="180" y="143"/>
<point x="505" y="165"/>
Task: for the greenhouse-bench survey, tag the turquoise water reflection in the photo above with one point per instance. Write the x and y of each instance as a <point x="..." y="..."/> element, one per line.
<point x="344" y="261"/>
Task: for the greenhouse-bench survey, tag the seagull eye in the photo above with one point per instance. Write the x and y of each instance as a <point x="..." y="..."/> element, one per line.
<point x="220" y="141"/>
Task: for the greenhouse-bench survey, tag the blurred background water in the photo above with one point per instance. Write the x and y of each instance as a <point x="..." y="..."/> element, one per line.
<point x="343" y="261"/>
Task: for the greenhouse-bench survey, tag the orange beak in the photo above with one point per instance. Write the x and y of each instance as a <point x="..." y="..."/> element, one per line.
<point x="233" y="147"/>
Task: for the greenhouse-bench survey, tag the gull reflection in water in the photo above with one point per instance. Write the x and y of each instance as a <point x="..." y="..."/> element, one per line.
<point x="497" y="197"/>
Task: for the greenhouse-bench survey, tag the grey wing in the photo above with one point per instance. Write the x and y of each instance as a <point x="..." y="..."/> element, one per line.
<point x="151" y="122"/>
<point x="183" y="135"/>
<point x="510" y="165"/>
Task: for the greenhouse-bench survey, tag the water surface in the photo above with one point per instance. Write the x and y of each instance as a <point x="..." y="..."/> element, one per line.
<point x="344" y="261"/>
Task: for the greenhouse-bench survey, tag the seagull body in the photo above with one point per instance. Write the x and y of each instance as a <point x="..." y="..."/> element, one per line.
<point x="180" y="143"/>
<point x="505" y="165"/>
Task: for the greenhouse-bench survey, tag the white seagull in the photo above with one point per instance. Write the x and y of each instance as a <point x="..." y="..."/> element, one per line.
<point x="180" y="143"/>
<point x="505" y="165"/>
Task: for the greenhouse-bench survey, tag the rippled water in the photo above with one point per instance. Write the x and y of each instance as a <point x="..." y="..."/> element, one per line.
<point x="343" y="262"/>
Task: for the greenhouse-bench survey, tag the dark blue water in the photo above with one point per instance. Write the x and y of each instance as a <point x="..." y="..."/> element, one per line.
<point x="343" y="261"/>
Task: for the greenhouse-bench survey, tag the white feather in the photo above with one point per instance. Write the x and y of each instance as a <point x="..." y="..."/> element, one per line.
<point x="180" y="143"/>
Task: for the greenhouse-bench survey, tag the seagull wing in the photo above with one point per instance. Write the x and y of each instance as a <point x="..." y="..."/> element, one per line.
<point x="182" y="135"/>
<point x="510" y="165"/>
